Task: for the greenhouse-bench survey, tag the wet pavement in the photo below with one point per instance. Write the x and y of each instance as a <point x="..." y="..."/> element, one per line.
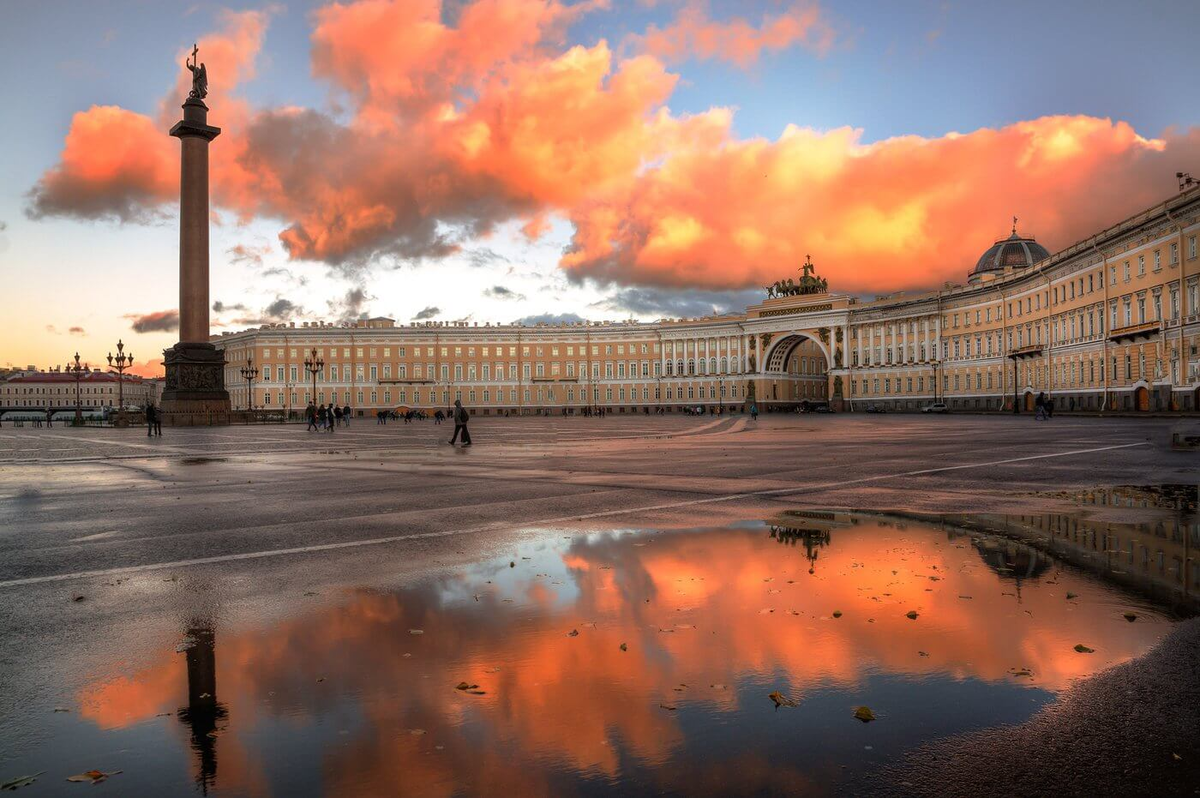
<point x="607" y="612"/>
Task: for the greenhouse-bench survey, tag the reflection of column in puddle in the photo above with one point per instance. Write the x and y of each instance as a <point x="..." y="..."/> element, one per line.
<point x="202" y="711"/>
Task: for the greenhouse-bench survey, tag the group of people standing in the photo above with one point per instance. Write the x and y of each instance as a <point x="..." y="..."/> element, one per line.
<point x="322" y="418"/>
<point x="1043" y="407"/>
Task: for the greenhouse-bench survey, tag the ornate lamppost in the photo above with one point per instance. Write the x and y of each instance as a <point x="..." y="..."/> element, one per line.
<point x="77" y="371"/>
<point x="313" y="366"/>
<point x="123" y="361"/>
<point x="249" y="374"/>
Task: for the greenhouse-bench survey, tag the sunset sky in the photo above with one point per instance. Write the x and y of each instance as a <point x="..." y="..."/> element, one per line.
<point x="496" y="160"/>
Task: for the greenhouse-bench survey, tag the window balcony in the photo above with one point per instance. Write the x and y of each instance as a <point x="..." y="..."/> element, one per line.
<point x="1134" y="331"/>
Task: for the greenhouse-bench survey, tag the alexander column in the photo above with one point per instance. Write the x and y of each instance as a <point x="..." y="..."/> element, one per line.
<point x="195" y="387"/>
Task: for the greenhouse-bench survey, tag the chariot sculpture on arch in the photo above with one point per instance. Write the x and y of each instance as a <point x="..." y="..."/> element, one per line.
<point x="199" y="76"/>
<point x="809" y="283"/>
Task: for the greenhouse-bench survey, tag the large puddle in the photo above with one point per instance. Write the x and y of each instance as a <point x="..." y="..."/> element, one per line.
<point x="640" y="661"/>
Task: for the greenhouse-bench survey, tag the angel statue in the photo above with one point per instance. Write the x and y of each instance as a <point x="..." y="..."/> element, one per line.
<point x="770" y="291"/>
<point x="199" y="76"/>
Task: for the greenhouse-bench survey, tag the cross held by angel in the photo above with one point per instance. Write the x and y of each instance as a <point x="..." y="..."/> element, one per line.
<point x="199" y="76"/>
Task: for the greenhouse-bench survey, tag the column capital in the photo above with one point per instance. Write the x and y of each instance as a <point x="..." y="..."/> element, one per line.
<point x="195" y="122"/>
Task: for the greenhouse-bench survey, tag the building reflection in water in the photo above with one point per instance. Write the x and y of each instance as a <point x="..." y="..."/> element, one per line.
<point x="1152" y="549"/>
<point x="616" y="660"/>
<point x="203" y="712"/>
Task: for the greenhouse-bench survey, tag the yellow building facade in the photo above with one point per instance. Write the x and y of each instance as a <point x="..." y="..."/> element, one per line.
<point x="1110" y="323"/>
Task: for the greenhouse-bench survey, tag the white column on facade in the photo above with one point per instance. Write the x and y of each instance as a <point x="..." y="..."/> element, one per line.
<point x="904" y="344"/>
<point x="758" y="354"/>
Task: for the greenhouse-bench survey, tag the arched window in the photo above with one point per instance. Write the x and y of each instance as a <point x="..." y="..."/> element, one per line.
<point x="691" y="366"/>
<point x="670" y="368"/>
<point x="712" y="365"/>
<point x="725" y="365"/>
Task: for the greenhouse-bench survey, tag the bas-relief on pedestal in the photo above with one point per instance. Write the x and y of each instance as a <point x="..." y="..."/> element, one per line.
<point x="195" y="385"/>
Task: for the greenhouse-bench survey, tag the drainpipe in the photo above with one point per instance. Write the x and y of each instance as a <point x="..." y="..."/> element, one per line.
<point x="1183" y="364"/>
<point x="937" y="343"/>
<point x="1103" y="325"/>
<point x="1049" y="343"/>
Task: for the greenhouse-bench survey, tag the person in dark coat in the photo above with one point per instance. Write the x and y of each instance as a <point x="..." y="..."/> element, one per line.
<point x="310" y="412"/>
<point x="153" y="421"/>
<point x="461" y="416"/>
<point x="346" y="415"/>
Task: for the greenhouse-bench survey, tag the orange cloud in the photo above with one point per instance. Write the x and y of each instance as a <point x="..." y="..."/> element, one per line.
<point x="147" y="368"/>
<point x="694" y="34"/>
<point x="456" y="127"/>
<point x="901" y="213"/>
<point x="119" y="163"/>
<point x="114" y="163"/>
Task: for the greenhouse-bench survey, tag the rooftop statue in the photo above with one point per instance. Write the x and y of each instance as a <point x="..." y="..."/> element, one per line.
<point x="199" y="76"/>
<point x="809" y="283"/>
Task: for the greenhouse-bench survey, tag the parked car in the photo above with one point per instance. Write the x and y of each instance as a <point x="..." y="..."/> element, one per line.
<point x="936" y="407"/>
<point x="876" y="409"/>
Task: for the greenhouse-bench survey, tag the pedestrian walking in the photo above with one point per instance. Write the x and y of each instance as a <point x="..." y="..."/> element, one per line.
<point x="149" y="420"/>
<point x="461" y="416"/>
<point x="754" y="412"/>
<point x="346" y="415"/>
<point x="1039" y="407"/>
<point x="310" y="413"/>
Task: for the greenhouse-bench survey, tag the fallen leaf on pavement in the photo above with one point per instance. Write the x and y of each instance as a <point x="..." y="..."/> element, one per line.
<point x="624" y="647"/>
<point x="20" y="781"/>
<point x="416" y="631"/>
<point x="1072" y="595"/>
<point x="781" y="700"/>
<point x="837" y="613"/>
<point x="1082" y="649"/>
<point x="911" y="615"/>
<point x="465" y="686"/>
<point x="573" y="633"/>
<point x="1131" y="616"/>
<point x="864" y="714"/>
<point x="92" y="776"/>
<point x="670" y="707"/>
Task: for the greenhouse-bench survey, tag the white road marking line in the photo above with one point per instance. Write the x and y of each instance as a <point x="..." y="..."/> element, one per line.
<point x="501" y="525"/>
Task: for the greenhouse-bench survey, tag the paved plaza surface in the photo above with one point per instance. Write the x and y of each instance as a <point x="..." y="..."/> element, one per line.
<point x="111" y="541"/>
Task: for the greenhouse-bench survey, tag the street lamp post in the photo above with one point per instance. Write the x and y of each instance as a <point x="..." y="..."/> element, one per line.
<point x="249" y="374"/>
<point x="313" y="366"/>
<point x="123" y="361"/>
<point x="77" y="371"/>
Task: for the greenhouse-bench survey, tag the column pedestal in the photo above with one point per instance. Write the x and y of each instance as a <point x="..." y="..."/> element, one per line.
<point x="194" y="394"/>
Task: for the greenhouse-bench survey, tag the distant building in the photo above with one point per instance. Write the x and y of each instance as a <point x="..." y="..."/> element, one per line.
<point x="55" y="390"/>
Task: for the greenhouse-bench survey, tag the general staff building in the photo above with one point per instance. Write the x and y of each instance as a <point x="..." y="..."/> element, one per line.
<point x="1109" y="323"/>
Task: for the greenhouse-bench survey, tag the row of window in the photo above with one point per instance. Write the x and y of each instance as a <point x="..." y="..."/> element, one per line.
<point x="689" y="345"/>
<point x="542" y="396"/>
